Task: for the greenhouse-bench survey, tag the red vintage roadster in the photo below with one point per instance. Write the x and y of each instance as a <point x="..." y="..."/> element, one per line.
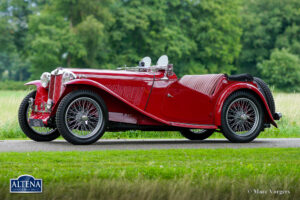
<point x="81" y="104"/>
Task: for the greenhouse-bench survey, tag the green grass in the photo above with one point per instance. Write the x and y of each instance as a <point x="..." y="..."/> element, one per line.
<point x="156" y="174"/>
<point x="288" y="104"/>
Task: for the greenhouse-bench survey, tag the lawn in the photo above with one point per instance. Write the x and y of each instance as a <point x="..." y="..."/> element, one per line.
<point x="157" y="174"/>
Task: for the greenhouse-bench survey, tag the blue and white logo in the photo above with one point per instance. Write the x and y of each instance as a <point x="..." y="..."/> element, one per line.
<point x="26" y="184"/>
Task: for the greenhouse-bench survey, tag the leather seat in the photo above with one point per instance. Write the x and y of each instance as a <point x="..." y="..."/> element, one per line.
<point x="240" y="77"/>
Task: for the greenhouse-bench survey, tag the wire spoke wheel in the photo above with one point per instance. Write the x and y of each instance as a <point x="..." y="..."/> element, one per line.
<point x="83" y="117"/>
<point x="38" y="130"/>
<point x="242" y="117"/>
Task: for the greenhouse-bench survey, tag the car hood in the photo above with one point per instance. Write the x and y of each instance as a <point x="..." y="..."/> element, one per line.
<point x="106" y="72"/>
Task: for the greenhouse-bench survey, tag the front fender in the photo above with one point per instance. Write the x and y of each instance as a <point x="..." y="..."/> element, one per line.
<point x="235" y="87"/>
<point x="104" y="88"/>
<point x="37" y="83"/>
<point x="41" y="93"/>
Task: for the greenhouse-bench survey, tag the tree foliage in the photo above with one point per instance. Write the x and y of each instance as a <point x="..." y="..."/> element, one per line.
<point x="14" y="15"/>
<point x="267" y="25"/>
<point x="106" y="34"/>
<point x="199" y="36"/>
<point x="282" y="70"/>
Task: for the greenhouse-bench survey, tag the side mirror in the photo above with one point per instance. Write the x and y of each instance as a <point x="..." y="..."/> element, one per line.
<point x="163" y="61"/>
<point x="145" y="62"/>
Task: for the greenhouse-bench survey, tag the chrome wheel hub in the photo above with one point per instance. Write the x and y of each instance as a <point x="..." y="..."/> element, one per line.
<point x="244" y="117"/>
<point x="84" y="118"/>
<point x="81" y="116"/>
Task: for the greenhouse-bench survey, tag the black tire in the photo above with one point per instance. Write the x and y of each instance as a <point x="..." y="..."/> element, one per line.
<point x="189" y="134"/>
<point x="23" y="122"/>
<point x="265" y="90"/>
<point x="61" y="116"/>
<point x="227" y="126"/>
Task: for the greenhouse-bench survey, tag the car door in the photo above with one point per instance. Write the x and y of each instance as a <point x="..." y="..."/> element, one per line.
<point x="174" y="102"/>
<point x="185" y="105"/>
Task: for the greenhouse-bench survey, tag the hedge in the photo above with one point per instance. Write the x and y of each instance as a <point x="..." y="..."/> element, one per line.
<point x="14" y="85"/>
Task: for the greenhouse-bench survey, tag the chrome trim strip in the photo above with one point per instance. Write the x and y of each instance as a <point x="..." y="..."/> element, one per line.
<point x="118" y="77"/>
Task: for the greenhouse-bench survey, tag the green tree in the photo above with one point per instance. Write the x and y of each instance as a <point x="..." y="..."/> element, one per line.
<point x="51" y="43"/>
<point x="282" y="70"/>
<point x="198" y="36"/>
<point x="14" y="27"/>
<point x="216" y="29"/>
<point x="267" y="24"/>
<point x="7" y="47"/>
<point x="67" y="33"/>
<point x="204" y="32"/>
<point x="148" y="28"/>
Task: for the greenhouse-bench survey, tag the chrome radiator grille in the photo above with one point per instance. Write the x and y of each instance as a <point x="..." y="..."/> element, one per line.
<point x="55" y="87"/>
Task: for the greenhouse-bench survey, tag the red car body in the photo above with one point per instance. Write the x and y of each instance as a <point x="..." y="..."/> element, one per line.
<point x="147" y="98"/>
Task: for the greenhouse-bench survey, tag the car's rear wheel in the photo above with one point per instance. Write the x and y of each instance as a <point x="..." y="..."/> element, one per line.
<point x="81" y="117"/>
<point x="242" y="117"/>
<point x="197" y="134"/>
<point x="38" y="134"/>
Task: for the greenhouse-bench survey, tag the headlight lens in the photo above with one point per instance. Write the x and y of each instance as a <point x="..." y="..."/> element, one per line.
<point x="68" y="76"/>
<point x="45" y="79"/>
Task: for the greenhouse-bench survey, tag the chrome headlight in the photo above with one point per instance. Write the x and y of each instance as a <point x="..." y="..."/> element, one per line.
<point x="68" y="76"/>
<point x="45" y="79"/>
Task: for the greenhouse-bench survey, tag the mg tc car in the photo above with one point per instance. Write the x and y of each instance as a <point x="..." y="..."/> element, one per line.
<point x="82" y="104"/>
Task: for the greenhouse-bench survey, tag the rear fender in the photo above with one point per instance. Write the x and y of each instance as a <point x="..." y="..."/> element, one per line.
<point x="241" y="86"/>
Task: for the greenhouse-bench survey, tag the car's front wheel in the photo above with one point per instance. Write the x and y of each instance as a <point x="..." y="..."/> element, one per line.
<point x="242" y="117"/>
<point x="81" y="117"/>
<point x="197" y="134"/>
